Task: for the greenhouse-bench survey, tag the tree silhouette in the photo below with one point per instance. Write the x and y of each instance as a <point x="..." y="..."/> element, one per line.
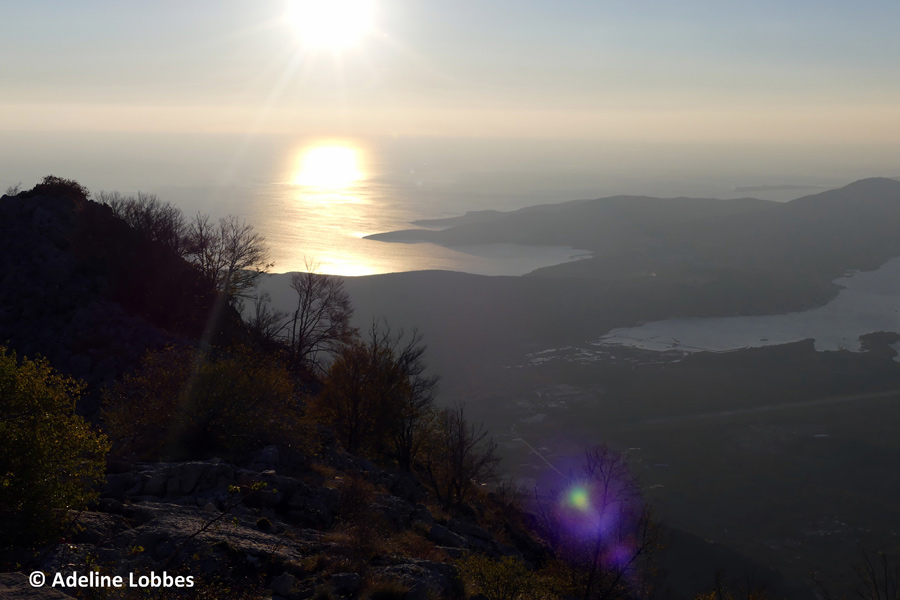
<point x="458" y="456"/>
<point x="228" y="253"/>
<point x="599" y="524"/>
<point x="319" y="325"/>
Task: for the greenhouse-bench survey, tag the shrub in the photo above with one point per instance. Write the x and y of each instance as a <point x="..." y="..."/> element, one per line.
<point x="504" y="579"/>
<point x="50" y="459"/>
<point x="378" y="398"/>
<point x="457" y="456"/>
<point x="388" y="590"/>
<point x="185" y="402"/>
<point x="357" y="497"/>
<point x="68" y="188"/>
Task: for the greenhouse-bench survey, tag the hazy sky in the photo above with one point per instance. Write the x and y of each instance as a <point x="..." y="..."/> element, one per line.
<point x="657" y="70"/>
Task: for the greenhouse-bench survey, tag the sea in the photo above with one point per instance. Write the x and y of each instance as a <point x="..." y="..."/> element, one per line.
<point x="315" y="198"/>
<point x="868" y="302"/>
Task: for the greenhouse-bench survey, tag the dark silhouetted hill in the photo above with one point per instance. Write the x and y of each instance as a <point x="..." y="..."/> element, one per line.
<point x="82" y="288"/>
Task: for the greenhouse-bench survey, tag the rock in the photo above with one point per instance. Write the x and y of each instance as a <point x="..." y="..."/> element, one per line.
<point x="468" y="529"/>
<point x="15" y="586"/>
<point x="420" y="514"/>
<point x="467" y="512"/>
<point x="283" y="584"/>
<point x="442" y="536"/>
<point x="118" y="485"/>
<point x="345" y="584"/>
<point x="184" y="478"/>
<point x="98" y="528"/>
<point x="407" y="488"/>
<point x="270" y="455"/>
<point x="395" y="510"/>
<point x="425" y="579"/>
<point x="366" y="465"/>
<point x="164" y="549"/>
<point x="156" y="484"/>
<point x="313" y="507"/>
<point x="110" y="505"/>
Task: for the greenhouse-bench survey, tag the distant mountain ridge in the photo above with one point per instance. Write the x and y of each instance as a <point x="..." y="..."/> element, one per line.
<point x="820" y="235"/>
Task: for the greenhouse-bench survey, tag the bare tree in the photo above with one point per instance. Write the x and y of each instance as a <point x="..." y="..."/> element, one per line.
<point x="879" y="577"/>
<point x="264" y="322"/>
<point x="600" y="525"/>
<point x="160" y="221"/>
<point x="228" y="253"/>
<point x="320" y="322"/>
<point x="458" y="456"/>
<point x="413" y="410"/>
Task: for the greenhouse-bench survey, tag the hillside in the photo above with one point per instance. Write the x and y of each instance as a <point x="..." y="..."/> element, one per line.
<point x="803" y="244"/>
<point x="239" y="516"/>
<point x="78" y="286"/>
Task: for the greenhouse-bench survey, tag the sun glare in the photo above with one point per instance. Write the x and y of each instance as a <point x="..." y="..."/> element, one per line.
<point x="331" y="24"/>
<point x="330" y="167"/>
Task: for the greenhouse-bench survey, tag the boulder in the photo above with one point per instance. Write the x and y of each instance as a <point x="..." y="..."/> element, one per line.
<point x="345" y="584"/>
<point x="283" y="584"/>
<point x="421" y="514"/>
<point x="395" y="510"/>
<point x="424" y="579"/>
<point x="442" y="536"/>
<point x="469" y="529"/>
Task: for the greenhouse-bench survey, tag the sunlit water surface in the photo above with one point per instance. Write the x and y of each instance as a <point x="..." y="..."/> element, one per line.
<point x="315" y="198"/>
<point x="869" y="302"/>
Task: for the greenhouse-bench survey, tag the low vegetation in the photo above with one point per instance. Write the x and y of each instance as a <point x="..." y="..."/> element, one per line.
<point x="185" y="402"/>
<point x="51" y="461"/>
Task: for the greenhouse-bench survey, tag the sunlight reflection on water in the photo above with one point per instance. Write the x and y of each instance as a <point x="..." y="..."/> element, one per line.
<point x="332" y="194"/>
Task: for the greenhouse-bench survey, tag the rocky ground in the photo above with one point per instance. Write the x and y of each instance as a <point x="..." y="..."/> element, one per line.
<point x="278" y="527"/>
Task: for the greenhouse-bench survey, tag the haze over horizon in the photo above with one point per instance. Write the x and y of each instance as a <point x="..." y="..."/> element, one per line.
<point x="695" y="72"/>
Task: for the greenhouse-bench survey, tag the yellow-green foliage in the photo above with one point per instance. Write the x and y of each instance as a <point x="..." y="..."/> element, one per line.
<point x="50" y="459"/>
<point x="505" y="579"/>
<point x="187" y="402"/>
<point x="362" y="391"/>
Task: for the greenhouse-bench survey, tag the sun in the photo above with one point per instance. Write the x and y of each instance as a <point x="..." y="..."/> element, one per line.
<point x="334" y="24"/>
<point x="328" y="166"/>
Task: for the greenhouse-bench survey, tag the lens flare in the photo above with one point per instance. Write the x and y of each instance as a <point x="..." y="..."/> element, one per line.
<point x="579" y="498"/>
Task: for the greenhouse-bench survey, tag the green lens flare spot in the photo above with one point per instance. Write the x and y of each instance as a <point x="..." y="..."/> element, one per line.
<point x="578" y="497"/>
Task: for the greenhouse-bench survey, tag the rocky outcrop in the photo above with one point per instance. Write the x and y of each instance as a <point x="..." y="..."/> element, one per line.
<point x="424" y="579"/>
<point x="267" y="519"/>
